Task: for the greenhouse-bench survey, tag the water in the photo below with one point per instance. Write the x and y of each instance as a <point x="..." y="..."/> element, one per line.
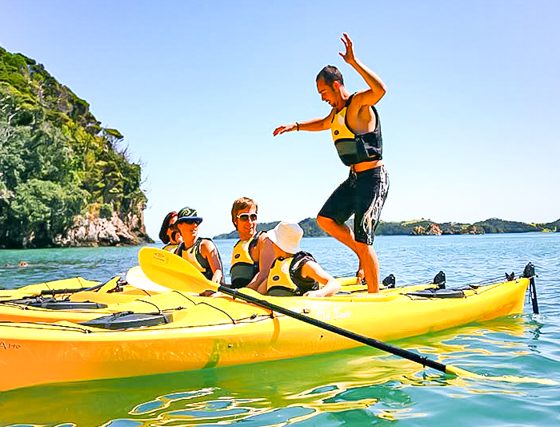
<point x="356" y="387"/>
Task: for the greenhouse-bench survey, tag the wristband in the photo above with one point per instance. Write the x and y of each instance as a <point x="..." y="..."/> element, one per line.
<point x="297" y="126"/>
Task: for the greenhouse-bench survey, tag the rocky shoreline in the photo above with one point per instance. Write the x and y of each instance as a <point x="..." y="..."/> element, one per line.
<point x="94" y="231"/>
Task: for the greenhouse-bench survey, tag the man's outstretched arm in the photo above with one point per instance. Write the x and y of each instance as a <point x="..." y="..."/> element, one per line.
<point x="310" y="126"/>
<point x="376" y="86"/>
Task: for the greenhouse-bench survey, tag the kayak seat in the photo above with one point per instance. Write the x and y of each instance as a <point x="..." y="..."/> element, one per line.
<point x="438" y="293"/>
<point x="128" y="319"/>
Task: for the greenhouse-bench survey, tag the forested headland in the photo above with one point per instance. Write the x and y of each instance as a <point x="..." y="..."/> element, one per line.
<point x="65" y="180"/>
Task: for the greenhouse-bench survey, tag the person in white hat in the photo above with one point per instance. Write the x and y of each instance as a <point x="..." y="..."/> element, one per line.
<point x="295" y="272"/>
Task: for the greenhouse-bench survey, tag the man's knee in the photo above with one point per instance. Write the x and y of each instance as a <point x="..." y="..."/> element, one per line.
<point x="325" y="223"/>
<point x="363" y="248"/>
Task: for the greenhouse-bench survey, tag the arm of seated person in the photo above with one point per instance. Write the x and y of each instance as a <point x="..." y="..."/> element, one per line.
<point x="210" y="252"/>
<point x="262" y="289"/>
<point x="329" y="286"/>
<point x="266" y="257"/>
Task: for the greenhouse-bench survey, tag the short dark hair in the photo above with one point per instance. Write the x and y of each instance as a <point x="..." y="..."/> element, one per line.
<point x="242" y="203"/>
<point x="330" y="74"/>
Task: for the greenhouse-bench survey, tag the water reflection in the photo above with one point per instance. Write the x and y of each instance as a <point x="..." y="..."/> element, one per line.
<point x="360" y="385"/>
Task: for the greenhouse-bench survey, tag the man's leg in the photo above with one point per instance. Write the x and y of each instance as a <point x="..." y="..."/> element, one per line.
<point x="371" y="191"/>
<point x="366" y="254"/>
<point x="337" y="209"/>
<point x="340" y="232"/>
<point x="370" y="264"/>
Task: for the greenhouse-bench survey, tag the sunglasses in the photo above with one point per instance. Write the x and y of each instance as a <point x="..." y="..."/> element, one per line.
<point x="247" y="216"/>
<point x="191" y="221"/>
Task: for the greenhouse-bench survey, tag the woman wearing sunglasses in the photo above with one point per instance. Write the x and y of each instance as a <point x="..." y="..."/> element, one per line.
<point x="168" y="232"/>
<point x="253" y="254"/>
<point x="200" y="252"/>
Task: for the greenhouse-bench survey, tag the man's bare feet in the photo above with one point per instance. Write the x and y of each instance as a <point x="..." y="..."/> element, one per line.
<point x="360" y="277"/>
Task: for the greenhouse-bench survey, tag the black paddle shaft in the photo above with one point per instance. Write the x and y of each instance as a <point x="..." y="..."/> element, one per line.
<point x="533" y="294"/>
<point x="529" y="273"/>
<point x="424" y="361"/>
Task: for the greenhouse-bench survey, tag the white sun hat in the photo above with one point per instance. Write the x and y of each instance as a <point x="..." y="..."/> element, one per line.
<point x="286" y="236"/>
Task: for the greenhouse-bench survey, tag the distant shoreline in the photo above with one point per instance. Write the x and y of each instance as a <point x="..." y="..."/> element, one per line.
<point x="425" y="227"/>
<point x="397" y="235"/>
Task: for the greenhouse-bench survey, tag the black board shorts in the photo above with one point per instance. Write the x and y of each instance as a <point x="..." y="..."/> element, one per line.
<point x="362" y="194"/>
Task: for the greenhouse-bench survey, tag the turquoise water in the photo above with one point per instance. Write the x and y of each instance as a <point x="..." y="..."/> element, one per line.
<point x="356" y="387"/>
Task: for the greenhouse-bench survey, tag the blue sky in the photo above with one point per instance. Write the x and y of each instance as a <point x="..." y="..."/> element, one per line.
<point x="470" y="119"/>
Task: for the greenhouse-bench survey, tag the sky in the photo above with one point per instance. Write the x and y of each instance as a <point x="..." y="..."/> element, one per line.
<point x="469" y="120"/>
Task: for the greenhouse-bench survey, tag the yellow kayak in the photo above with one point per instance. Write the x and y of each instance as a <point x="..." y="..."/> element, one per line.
<point x="64" y="288"/>
<point x="205" y="332"/>
<point x="73" y="300"/>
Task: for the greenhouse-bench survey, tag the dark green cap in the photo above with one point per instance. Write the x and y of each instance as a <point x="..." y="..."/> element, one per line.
<point x="186" y="214"/>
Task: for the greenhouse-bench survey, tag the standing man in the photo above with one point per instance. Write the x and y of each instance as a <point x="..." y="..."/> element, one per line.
<point x="356" y="131"/>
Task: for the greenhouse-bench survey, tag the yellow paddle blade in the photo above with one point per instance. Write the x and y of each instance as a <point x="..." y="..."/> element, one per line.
<point x="453" y="370"/>
<point x="137" y="278"/>
<point x="172" y="271"/>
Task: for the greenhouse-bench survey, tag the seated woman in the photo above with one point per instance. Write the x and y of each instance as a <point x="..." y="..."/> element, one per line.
<point x="200" y="252"/>
<point x="253" y="254"/>
<point x="168" y="232"/>
<point x="293" y="271"/>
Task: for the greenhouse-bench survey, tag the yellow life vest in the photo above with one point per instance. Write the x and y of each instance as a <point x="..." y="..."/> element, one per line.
<point x="243" y="267"/>
<point x="339" y="129"/>
<point x="285" y="275"/>
<point x="171" y="247"/>
<point x="352" y="148"/>
<point x="194" y="256"/>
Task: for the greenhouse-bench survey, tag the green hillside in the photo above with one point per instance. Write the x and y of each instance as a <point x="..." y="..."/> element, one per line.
<point x="58" y="164"/>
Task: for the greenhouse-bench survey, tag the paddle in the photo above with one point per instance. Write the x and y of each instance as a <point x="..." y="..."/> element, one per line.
<point x="136" y="277"/>
<point x="172" y="271"/>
